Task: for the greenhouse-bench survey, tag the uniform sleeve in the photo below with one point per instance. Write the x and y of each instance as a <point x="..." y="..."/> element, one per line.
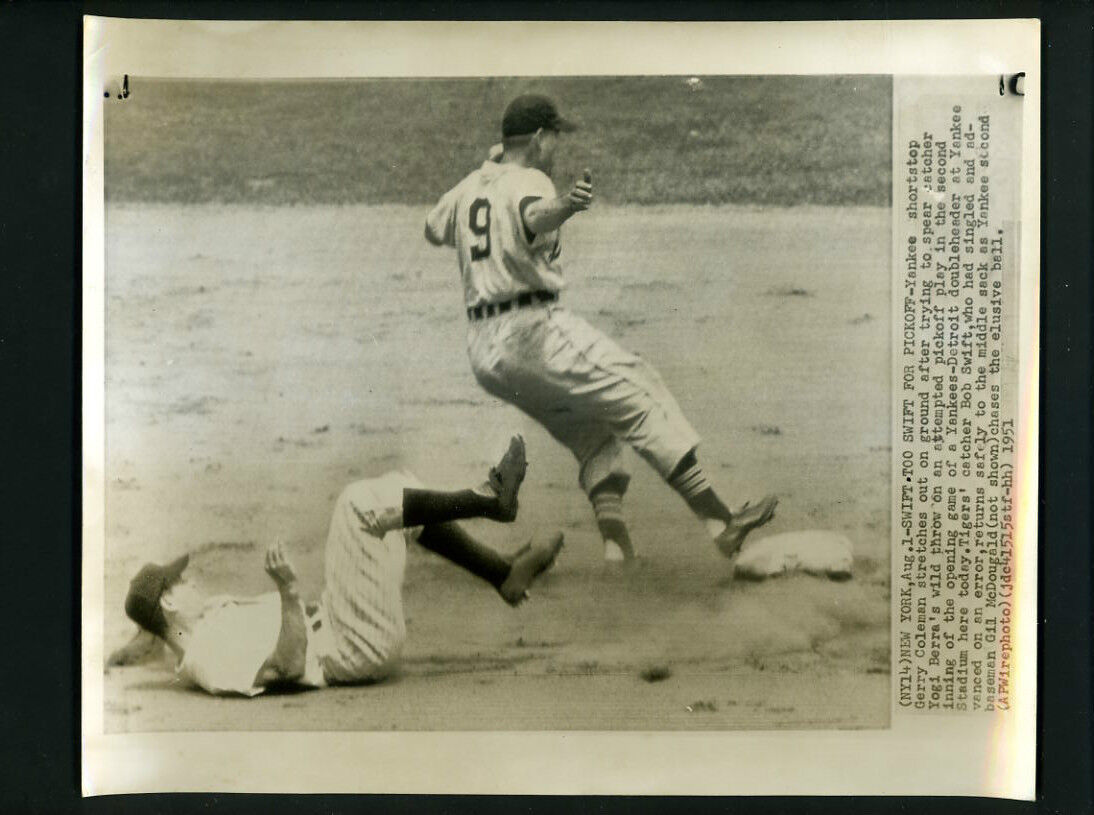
<point x="218" y="669"/>
<point x="533" y="185"/>
<point x="440" y="224"/>
<point x="230" y="644"/>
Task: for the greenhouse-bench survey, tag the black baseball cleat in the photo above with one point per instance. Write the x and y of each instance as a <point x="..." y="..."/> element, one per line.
<point x="505" y="479"/>
<point x="529" y="562"/>
<point x="750" y="517"/>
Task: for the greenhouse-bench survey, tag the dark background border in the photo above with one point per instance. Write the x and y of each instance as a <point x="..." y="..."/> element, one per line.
<point x="40" y="212"/>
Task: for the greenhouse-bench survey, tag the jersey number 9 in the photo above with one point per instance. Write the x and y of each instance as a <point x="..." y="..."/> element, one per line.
<point x="478" y="218"/>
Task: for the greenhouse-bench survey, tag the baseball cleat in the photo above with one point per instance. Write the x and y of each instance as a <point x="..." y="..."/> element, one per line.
<point x="750" y="517"/>
<point x="505" y="479"/>
<point x="530" y="561"/>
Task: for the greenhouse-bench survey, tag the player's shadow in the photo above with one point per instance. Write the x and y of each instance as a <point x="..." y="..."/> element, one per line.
<point x="166" y="684"/>
<point x="285" y="689"/>
<point x="173" y="685"/>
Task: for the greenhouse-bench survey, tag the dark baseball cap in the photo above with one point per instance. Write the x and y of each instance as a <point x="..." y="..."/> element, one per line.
<point x="142" y="604"/>
<point x="531" y="111"/>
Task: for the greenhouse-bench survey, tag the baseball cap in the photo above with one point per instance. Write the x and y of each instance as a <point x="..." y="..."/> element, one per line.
<point x="531" y="111"/>
<point x="142" y="604"/>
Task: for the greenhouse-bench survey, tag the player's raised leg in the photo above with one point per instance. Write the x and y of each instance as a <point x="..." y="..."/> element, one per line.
<point x="436" y="512"/>
<point x="510" y="575"/>
<point x="495" y="499"/>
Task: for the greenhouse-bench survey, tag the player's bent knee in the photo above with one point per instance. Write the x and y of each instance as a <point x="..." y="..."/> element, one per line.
<point x="689" y="460"/>
<point x="615" y="483"/>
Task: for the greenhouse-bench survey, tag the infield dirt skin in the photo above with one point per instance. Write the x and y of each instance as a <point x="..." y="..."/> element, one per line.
<point x="259" y="359"/>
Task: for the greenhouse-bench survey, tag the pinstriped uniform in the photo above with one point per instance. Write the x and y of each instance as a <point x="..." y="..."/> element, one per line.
<point x="362" y="596"/>
<point x="586" y="390"/>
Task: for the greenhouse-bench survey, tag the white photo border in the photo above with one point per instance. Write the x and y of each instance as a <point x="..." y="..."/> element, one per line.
<point x="919" y="754"/>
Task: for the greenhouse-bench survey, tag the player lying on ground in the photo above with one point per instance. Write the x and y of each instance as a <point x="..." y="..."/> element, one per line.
<point x="591" y="395"/>
<point x="355" y="631"/>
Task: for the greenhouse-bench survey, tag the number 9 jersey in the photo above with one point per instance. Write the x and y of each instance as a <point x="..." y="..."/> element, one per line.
<point x="482" y="217"/>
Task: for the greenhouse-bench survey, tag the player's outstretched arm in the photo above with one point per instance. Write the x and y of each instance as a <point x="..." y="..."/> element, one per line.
<point x="286" y="663"/>
<point x="547" y="215"/>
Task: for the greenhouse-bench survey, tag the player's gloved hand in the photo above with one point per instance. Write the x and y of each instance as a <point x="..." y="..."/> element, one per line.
<point x="580" y="197"/>
<point x="279" y="568"/>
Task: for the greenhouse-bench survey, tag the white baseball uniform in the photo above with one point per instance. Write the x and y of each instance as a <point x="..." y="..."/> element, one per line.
<point x="233" y="639"/>
<point x="354" y="634"/>
<point x="363" y="593"/>
<point x="589" y="393"/>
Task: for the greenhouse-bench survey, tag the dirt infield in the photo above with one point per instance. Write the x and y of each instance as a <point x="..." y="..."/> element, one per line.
<point x="260" y="358"/>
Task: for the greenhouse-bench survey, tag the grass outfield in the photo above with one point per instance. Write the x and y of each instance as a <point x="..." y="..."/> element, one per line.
<point x="744" y="140"/>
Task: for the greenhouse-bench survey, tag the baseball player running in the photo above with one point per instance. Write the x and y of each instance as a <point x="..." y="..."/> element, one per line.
<point x="354" y="633"/>
<point x="591" y="395"/>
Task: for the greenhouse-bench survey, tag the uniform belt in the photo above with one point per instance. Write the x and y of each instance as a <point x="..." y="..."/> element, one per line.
<point x="520" y="301"/>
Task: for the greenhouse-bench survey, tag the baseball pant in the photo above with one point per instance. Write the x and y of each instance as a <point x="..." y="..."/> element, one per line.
<point x="588" y="393"/>
<point x="363" y="591"/>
